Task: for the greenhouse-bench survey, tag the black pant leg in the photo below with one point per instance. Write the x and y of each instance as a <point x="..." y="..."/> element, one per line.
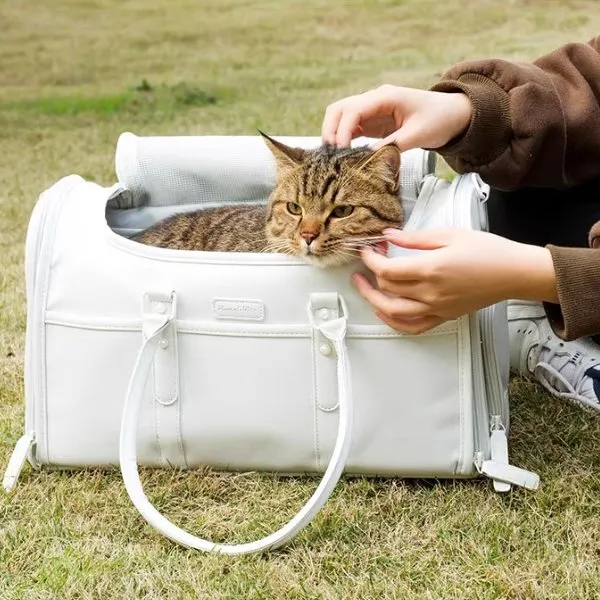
<point x="543" y="216"/>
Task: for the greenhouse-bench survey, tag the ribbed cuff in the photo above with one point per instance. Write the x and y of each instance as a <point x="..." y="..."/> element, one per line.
<point x="578" y="283"/>
<point x="490" y="131"/>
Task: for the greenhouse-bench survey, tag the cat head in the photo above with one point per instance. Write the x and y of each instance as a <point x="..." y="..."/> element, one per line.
<point x="329" y="202"/>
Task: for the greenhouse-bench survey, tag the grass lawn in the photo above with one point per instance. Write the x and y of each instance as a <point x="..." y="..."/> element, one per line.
<point x="76" y="73"/>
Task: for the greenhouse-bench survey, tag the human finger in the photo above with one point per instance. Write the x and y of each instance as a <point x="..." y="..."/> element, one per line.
<point x="422" y="239"/>
<point x="392" y="307"/>
<point x="411" y="326"/>
<point x="348" y="124"/>
<point x="333" y="114"/>
<point x="365" y="113"/>
<point x="407" y="136"/>
<point x="413" y="290"/>
<point x="401" y="268"/>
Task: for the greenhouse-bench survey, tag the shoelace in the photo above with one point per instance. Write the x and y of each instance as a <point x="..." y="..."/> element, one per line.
<point x="556" y="383"/>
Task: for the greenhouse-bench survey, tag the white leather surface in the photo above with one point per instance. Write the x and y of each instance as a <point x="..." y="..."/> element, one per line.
<point x="253" y="394"/>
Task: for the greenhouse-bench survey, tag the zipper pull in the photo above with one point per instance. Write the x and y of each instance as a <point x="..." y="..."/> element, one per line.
<point x="498" y="468"/>
<point x="499" y="454"/>
<point x="510" y="474"/>
<point x="17" y="461"/>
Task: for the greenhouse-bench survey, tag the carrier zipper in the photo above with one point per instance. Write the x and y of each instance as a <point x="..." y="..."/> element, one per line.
<point x="33" y="245"/>
<point x="489" y="405"/>
<point x="461" y="218"/>
<point x="480" y="409"/>
<point x="484" y="317"/>
<point x="46" y="208"/>
<point x="497" y="467"/>
<point x="497" y="400"/>
<point x="41" y="211"/>
<point x="496" y="404"/>
<point x="456" y="217"/>
<point x="45" y="233"/>
<point x="499" y="449"/>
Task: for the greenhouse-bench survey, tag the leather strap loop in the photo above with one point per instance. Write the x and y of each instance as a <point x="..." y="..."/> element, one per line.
<point x="335" y="332"/>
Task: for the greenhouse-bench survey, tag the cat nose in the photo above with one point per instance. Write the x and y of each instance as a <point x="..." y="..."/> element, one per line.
<point x="309" y="236"/>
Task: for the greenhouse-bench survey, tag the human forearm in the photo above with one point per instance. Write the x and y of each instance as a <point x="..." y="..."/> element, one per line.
<point x="532" y="276"/>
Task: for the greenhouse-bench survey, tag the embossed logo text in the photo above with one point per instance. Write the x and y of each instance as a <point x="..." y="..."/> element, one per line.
<point x="238" y="309"/>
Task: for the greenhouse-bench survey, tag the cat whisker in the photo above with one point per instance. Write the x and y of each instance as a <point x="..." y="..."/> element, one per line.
<point x="274" y="250"/>
<point x="280" y="242"/>
<point x="356" y="249"/>
<point x="278" y="246"/>
<point x="347" y="251"/>
<point x="361" y="239"/>
<point x="343" y="257"/>
<point x="352" y="245"/>
<point x="360" y="243"/>
<point x="371" y="239"/>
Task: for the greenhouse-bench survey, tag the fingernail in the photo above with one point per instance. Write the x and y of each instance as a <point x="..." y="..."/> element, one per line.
<point x="390" y="231"/>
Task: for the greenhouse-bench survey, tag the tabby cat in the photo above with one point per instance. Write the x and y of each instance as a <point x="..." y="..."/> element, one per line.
<point x="326" y="204"/>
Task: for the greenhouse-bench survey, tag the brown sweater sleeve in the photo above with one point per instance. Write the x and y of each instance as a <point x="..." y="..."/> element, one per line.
<point x="578" y="282"/>
<point x="533" y="124"/>
<point x="539" y="125"/>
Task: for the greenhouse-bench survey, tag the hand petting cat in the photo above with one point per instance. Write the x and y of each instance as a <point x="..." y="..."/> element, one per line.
<point x="463" y="270"/>
<point x="409" y="118"/>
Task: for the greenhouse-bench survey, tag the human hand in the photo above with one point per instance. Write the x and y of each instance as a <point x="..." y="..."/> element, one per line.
<point x="409" y="118"/>
<point x="462" y="271"/>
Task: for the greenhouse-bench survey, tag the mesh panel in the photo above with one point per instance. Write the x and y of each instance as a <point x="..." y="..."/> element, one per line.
<point x="177" y="171"/>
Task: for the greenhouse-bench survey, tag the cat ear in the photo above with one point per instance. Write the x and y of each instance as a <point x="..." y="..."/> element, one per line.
<point x="384" y="163"/>
<point x="286" y="156"/>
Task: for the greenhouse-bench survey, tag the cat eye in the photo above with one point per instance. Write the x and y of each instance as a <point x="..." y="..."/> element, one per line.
<point x="294" y="209"/>
<point x="342" y="211"/>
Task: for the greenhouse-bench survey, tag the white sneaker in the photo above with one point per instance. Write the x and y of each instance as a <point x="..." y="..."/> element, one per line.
<point x="568" y="370"/>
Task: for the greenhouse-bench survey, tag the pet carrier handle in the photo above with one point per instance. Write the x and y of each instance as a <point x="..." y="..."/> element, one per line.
<point x="335" y="332"/>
